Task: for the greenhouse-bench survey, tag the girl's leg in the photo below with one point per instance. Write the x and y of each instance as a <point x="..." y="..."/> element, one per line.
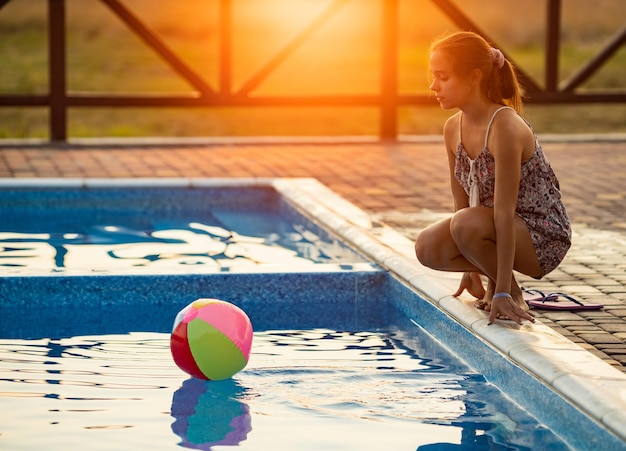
<point x="473" y="232"/>
<point x="436" y="249"/>
<point x="466" y="243"/>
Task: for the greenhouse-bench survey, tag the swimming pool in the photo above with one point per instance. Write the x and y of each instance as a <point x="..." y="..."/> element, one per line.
<point x="374" y="293"/>
<point x="167" y="230"/>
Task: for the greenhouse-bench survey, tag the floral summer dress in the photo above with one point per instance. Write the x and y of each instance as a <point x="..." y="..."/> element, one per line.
<point x="538" y="202"/>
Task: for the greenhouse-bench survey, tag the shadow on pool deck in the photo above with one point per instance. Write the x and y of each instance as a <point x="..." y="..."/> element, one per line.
<point x="403" y="184"/>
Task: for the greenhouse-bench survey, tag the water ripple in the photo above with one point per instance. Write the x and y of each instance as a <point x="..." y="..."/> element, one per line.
<point x="361" y="388"/>
<point x="186" y="246"/>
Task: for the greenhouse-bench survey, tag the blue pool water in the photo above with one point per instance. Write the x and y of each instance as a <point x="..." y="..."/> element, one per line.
<point x="68" y="231"/>
<point x="389" y="387"/>
<point x="341" y="357"/>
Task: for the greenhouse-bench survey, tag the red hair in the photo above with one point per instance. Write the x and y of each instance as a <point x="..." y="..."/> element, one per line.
<point x="469" y="51"/>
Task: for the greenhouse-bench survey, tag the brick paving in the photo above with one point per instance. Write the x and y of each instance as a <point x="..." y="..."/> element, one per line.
<point x="406" y="186"/>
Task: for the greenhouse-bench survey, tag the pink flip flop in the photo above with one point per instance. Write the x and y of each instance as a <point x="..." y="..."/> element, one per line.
<point x="537" y="296"/>
<point x="553" y="302"/>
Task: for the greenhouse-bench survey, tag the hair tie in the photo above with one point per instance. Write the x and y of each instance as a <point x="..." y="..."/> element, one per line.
<point x="498" y="57"/>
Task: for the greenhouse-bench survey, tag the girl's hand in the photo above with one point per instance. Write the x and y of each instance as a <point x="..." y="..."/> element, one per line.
<point x="471" y="282"/>
<point x="508" y="308"/>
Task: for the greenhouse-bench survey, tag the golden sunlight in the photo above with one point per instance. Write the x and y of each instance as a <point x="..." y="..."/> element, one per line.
<point x="286" y="13"/>
<point x="327" y="44"/>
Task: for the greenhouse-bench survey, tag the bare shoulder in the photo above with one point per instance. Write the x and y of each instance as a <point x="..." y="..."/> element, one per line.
<point x="510" y="130"/>
<point x="452" y="123"/>
<point x="451" y="131"/>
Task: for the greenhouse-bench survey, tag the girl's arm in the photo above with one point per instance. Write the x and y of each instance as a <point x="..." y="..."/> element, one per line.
<point x="509" y="137"/>
<point x="451" y="139"/>
<point x="470" y="281"/>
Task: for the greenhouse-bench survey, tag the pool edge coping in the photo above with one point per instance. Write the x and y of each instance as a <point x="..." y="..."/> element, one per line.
<point x="571" y="371"/>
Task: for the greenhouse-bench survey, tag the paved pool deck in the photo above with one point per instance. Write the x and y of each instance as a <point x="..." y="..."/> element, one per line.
<point x="403" y="184"/>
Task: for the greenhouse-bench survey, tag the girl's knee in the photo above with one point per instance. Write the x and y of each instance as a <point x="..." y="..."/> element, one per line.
<point x="421" y="248"/>
<point x="461" y="225"/>
<point x="425" y="252"/>
<point x="470" y="224"/>
<point x="433" y="245"/>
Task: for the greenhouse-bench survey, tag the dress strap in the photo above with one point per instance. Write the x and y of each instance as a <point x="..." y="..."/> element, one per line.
<point x="491" y="121"/>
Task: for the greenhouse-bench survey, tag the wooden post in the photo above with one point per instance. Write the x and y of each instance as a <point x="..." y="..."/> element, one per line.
<point x="389" y="71"/>
<point x="56" y="65"/>
<point x="225" y="47"/>
<point x="553" y="37"/>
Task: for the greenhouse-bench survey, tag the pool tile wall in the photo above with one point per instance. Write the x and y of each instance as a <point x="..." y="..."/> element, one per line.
<point x="75" y="305"/>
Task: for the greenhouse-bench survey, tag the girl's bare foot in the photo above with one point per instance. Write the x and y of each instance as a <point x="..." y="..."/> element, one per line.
<point x="481" y="304"/>
<point x="518" y="296"/>
<point x="485" y="302"/>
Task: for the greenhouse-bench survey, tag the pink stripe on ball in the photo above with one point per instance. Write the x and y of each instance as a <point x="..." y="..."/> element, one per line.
<point x="231" y="321"/>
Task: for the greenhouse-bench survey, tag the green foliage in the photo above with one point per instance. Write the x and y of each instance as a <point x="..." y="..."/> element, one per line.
<point x="343" y="57"/>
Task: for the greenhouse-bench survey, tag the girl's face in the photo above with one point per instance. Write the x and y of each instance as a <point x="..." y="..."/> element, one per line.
<point x="452" y="90"/>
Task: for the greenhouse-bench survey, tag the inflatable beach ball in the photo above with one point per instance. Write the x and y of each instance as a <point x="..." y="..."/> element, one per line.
<point x="211" y="339"/>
